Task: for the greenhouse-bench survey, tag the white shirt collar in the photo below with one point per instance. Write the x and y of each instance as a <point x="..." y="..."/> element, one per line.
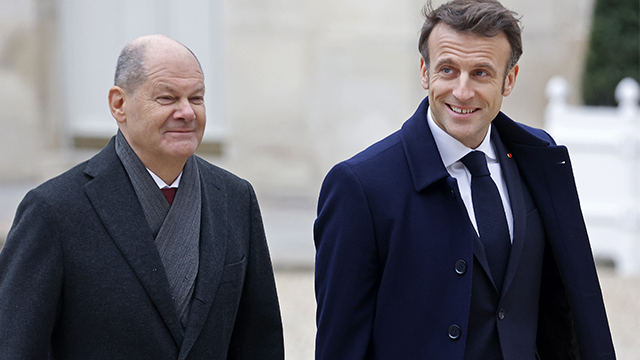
<point x="452" y="150"/>
<point x="163" y="185"/>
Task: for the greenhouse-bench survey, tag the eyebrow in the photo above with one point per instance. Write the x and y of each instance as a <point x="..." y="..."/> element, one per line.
<point x="445" y="61"/>
<point x="169" y="88"/>
<point x="484" y="65"/>
<point x="199" y="89"/>
<point x="487" y="66"/>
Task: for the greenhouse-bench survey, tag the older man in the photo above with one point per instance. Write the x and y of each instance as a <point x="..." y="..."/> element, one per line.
<point x="145" y="251"/>
<point x="460" y="236"/>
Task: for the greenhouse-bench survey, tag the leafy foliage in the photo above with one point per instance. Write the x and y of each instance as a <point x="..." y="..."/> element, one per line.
<point x="614" y="50"/>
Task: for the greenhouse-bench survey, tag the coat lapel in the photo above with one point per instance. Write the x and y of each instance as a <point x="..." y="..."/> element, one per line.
<point x="213" y="246"/>
<point x="518" y="208"/>
<point x="116" y="203"/>
<point x="541" y="162"/>
<point x="425" y="162"/>
<point x="531" y="153"/>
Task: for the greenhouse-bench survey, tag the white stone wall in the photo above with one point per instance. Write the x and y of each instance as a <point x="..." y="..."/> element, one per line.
<point x="555" y="39"/>
<point x="304" y="83"/>
<point x="312" y="83"/>
<point x="20" y="108"/>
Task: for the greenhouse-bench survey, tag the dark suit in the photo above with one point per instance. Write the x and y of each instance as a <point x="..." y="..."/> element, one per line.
<point x="81" y="278"/>
<point x="397" y="256"/>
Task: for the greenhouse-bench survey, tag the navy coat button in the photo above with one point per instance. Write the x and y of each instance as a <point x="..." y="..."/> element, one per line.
<point x="454" y="332"/>
<point x="501" y="314"/>
<point x="461" y="267"/>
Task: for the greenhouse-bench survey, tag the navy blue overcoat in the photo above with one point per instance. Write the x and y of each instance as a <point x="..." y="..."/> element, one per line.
<point x="389" y="233"/>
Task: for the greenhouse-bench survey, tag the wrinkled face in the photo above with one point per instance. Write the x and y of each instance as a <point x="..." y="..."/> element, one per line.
<point x="466" y="81"/>
<point x="164" y="119"/>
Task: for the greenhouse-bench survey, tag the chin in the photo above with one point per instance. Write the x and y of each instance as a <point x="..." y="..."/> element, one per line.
<point x="183" y="149"/>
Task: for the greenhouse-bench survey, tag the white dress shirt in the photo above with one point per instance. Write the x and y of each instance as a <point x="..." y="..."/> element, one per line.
<point x="163" y="185"/>
<point x="451" y="151"/>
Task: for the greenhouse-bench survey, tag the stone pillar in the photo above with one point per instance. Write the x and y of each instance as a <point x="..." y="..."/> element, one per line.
<point x="21" y="135"/>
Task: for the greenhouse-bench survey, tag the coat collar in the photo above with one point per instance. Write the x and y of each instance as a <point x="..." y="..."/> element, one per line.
<point x="114" y="199"/>
<point x="424" y="158"/>
<point x="515" y="187"/>
<point x="533" y="150"/>
<point x="420" y="148"/>
<point x="111" y="193"/>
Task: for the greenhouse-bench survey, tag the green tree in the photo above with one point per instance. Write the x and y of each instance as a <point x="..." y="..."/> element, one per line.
<point x="614" y="50"/>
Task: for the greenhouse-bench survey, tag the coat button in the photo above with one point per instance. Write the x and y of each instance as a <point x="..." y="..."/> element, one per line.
<point x="501" y="314"/>
<point x="454" y="332"/>
<point x="461" y="267"/>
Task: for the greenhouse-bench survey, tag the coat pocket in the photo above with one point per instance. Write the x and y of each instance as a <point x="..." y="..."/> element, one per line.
<point x="234" y="271"/>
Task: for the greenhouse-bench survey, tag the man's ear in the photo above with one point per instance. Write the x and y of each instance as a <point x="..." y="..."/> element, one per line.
<point x="117" y="99"/>
<point x="424" y="74"/>
<point x="510" y="80"/>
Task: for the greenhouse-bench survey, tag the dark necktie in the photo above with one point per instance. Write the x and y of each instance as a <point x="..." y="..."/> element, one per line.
<point x="490" y="216"/>
<point x="169" y="193"/>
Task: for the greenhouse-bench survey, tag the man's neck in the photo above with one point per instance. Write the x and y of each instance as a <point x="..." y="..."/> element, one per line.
<point x="166" y="169"/>
<point x="168" y="175"/>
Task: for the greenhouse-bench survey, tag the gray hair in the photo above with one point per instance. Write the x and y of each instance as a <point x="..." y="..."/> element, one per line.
<point x="131" y="71"/>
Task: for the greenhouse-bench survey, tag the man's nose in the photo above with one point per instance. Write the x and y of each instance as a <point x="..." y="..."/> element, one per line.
<point x="463" y="90"/>
<point x="184" y="111"/>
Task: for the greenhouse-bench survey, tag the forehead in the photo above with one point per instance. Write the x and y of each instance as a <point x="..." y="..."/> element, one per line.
<point x="448" y="44"/>
<point x="170" y="66"/>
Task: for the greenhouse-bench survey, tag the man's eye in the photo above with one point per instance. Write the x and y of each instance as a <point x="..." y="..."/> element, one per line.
<point x="165" y="99"/>
<point x="197" y="100"/>
<point x="481" y="73"/>
<point x="447" y="70"/>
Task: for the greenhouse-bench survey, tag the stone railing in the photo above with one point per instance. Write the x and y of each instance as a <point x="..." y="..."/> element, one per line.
<point x="604" y="145"/>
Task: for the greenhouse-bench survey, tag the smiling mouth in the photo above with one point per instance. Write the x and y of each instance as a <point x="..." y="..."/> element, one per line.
<point x="461" y="111"/>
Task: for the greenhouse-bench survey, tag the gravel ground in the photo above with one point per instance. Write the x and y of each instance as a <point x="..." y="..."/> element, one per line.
<point x="622" y="300"/>
<point x="298" y="307"/>
<point x="297" y="302"/>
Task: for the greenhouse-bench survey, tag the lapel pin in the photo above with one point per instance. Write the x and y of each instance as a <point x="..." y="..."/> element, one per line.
<point x="509" y="155"/>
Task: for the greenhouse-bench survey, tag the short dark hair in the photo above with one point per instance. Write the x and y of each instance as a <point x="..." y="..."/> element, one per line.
<point x="482" y="17"/>
<point x="130" y="70"/>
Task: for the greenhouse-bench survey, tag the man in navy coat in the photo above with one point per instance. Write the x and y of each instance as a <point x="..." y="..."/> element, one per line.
<point x="409" y="263"/>
<point x="110" y="261"/>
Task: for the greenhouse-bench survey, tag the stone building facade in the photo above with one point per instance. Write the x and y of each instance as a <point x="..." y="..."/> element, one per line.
<point x="293" y="85"/>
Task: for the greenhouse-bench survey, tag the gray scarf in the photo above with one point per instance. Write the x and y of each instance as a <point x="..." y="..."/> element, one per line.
<point x="176" y="228"/>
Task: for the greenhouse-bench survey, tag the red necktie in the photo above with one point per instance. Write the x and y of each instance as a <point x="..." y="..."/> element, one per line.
<point x="169" y="193"/>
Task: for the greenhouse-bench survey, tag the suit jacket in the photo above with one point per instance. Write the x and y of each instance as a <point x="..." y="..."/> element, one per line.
<point x="81" y="278"/>
<point x="503" y="323"/>
<point x="391" y="237"/>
